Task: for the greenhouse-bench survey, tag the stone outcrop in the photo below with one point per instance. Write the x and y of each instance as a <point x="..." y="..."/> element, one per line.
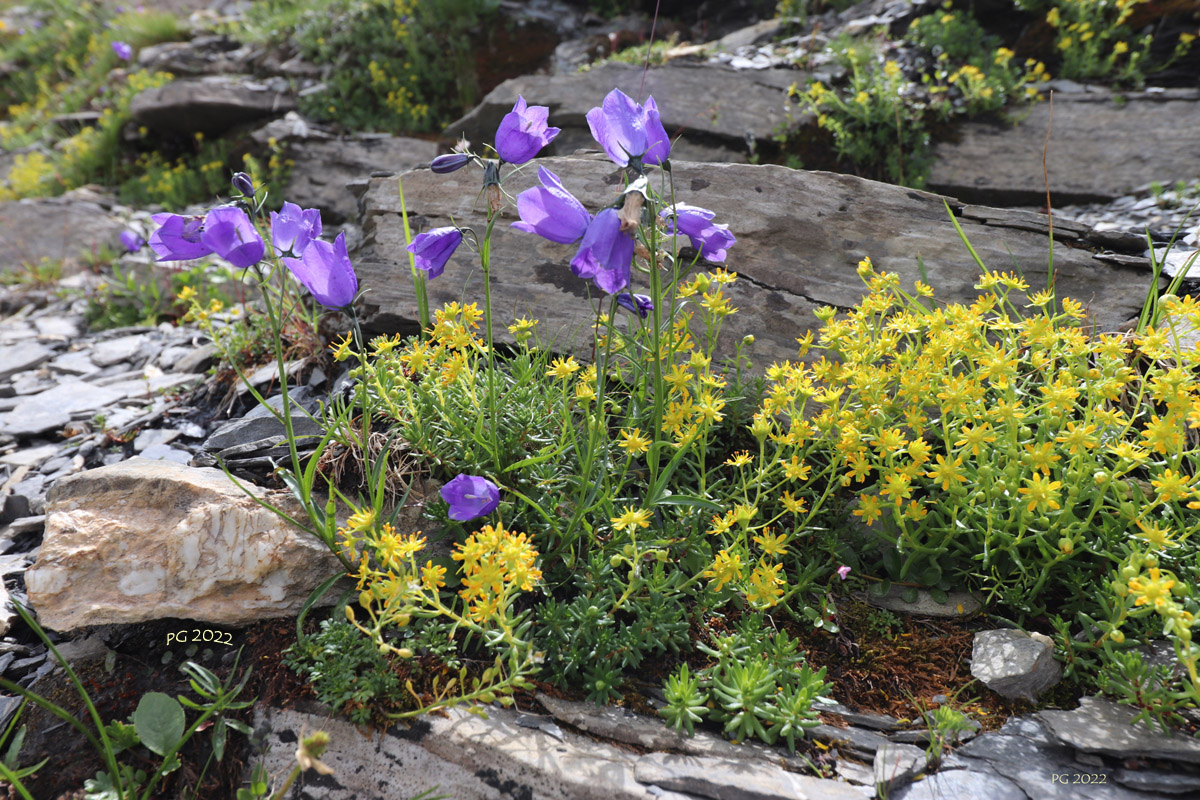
<point x="1013" y="664"/>
<point x="1102" y="146"/>
<point x="716" y="111"/>
<point x="145" y="540"/>
<point x="324" y="163"/>
<point x="209" y="105"/>
<point x="800" y="236"/>
<point x="54" y="229"/>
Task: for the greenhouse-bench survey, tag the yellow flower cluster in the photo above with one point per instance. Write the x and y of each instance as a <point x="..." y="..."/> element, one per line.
<point x="495" y="564"/>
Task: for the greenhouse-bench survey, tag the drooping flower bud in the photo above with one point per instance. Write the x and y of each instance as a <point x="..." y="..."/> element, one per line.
<point x="242" y="183"/>
<point x="450" y="162"/>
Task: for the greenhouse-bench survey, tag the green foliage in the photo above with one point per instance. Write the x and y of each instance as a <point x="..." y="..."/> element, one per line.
<point x="345" y="669"/>
<point x="157" y="723"/>
<point x="760" y="686"/>
<point x="653" y="53"/>
<point x="134" y="297"/>
<point x="1096" y="42"/>
<point x="395" y="65"/>
<point x="880" y="118"/>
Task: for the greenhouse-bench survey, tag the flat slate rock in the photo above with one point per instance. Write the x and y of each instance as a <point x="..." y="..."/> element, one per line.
<point x="725" y="779"/>
<point x="714" y="109"/>
<point x="1102" y="726"/>
<point x="961" y="784"/>
<point x="210" y="105"/>
<point x="465" y="756"/>
<point x="1102" y="146"/>
<point x="800" y="237"/>
<point x="54" y="229"/>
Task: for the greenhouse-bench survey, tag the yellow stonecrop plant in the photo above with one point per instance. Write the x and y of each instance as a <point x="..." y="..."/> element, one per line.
<point x="497" y="565"/>
<point x="1095" y="40"/>
<point x="1022" y="454"/>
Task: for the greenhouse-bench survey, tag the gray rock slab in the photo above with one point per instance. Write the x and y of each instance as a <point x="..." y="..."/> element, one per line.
<point x="19" y="357"/>
<point x="861" y="743"/>
<point x="800" y="237"/>
<point x="725" y="779"/>
<point x="617" y="724"/>
<point x="1156" y="780"/>
<point x="114" y="351"/>
<point x="1014" y="665"/>
<point x="877" y="722"/>
<point x="163" y="452"/>
<point x="30" y="456"/>
<point x="198" y="359"/>
<point x="714" y="109"/>
<point x="55" y="229"/>
<point x="1102" y="726"/>
<point x="896" y="765"/>
<point x="1025" y="754"/>
<point x="324" y="164"/>
<point x="76" y="362"/>
<point x="56" y="328"/>
<point x="153" y="436"/>
<point x="211" y="105"/>
<point x="31" y="421"/>
<point x="958" y="604"/>
<point x="953" y="784"/>
<point x="467" y="757"/>
<point x="1139" y="137"/>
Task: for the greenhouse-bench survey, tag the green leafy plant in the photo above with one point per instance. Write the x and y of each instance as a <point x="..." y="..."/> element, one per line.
<point x="391" y="64"/>
<point x="158" y="723"/>
<point x="345" y="669"/>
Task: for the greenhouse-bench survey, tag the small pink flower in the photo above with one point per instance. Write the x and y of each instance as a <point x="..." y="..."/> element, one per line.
<point x="843" y="571"/>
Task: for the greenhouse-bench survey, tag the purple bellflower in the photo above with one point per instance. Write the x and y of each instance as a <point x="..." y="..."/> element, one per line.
<point x="132" y="241"/>
<point x="605" y="255"/>
<point x="241" y="181"/>
<point x="640" y="304"/>
<point x="434" y="248"/>
<point x="231" y="235"/>
<point x="523" y="132"/>
<point x="551" y="211"/>
<point x="470" y="496"/>
<point x="450" y="162"/>
<point x="178" y="238"/>
<point x="710" y="238"/>
<point x="123" y="50"/>
<point x="326" y="272"/>
<point x="292" y="229"/>
<point x="627" y="130"/>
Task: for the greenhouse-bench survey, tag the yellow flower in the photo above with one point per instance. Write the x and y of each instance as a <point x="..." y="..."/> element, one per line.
<point x="361" y="520"/>
<point x="1042" y="492"/>
<point x="973" y="437"/>
<point x="341" y="350"/>
<point x="433" y="576"/>
<point x="792" y="504"/>
<point x="774" y="545"/>
<point x="561" y="369"/>
<point x="186" y="294"/>
<point x="1076" y="437"/>
<point x="765" y="582"/>
<point x="868" y="508"/>
<point x="862" y="98"/>
<point x="1171" y="486"/>
<point x="631" y="519"/>
<point x="1155" y="535"/>
<point x="634" y="442"/>
<point x="1042" y="456"/>
<point x="726" y="568"/>
<point x="796" y="469"/>
<point x="891" y="69"/>
<point x="946" y="471"/>
<point x="1156" y="591"/>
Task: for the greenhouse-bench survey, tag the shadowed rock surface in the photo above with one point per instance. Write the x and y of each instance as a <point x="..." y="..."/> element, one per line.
<point x="800" y="237"/>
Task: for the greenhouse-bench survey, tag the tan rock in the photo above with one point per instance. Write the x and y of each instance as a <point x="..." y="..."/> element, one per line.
<point x="144" y="540"/>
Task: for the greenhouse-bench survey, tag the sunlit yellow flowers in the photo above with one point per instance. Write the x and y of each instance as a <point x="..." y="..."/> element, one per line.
<point x="740" y="459"/>
<point x="1155" y="590"/>
<point x="433" y="576"/>
<point x="631" y="519"/>
<point x="726" y="568"/>
<point x="765" y="589"/>
<point x="772" y="544"/>
<point x="563" y="369"/>
<point x="634" y="442"/>
<point x="1042" y="493"/>
<point x="1171" y="486"/>
<point x="946" y="471"/>
<point x="341" y="349"/>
